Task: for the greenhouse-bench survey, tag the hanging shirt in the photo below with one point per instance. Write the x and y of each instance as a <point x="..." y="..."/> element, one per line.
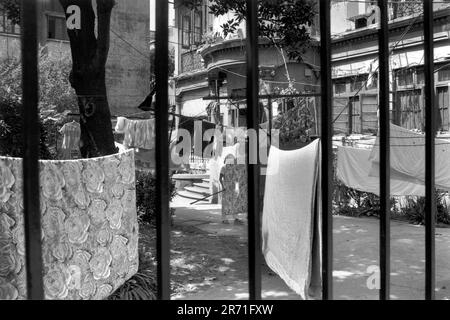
<point x="71" y="135"/>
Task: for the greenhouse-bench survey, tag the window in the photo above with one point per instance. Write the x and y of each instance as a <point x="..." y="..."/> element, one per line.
<point x="340" y="87"/>
<point x="372" y="82"/>
<point x="357" y="83"/>
<point x="444" y="74"/>
<point x="186" y="33"/>
<point x="442" y="102"/>
<point x="57" y="28"/>
<point x="405" y="77"/>
<point x="7" y="26"/>
<point x="197" y="27"/>
<point x="420" y="76"/>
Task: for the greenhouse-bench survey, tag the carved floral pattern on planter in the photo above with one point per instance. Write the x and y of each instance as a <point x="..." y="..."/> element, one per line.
<point x="89" y="227"/>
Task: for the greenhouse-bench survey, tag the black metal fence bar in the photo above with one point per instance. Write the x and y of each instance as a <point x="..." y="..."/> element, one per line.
<point x="327" y="151"/>
<point x="162" y="149"/>
<point x="430" y="131"/>
<point x="30" y="115"/>
<point x="385" y="214"/>
<point x="254" y="218"/>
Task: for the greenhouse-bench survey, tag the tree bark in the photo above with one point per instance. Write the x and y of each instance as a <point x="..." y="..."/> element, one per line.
<point x="89" y="55"/>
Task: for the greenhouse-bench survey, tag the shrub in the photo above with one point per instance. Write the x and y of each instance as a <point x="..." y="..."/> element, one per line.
<point x="354" y="203"/>
<point x="141" y="286"/>
<point x="56" y="100"/>
<point x="415" y="209"/>
<point x="56" y="96"/>
<point x="146" y="195"/>
<point x="11" y="126"/>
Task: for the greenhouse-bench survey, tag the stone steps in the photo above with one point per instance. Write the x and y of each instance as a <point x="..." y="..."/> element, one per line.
<point x="201" y="191"/>
<point x="191" y="195"/>
<point x="204" y="185"/>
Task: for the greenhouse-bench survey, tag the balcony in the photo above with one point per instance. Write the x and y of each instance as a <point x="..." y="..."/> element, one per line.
<point x="191" y="61"/>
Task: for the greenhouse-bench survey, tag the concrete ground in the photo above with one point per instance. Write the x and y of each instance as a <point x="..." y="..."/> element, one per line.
<point x="356" y="252"/>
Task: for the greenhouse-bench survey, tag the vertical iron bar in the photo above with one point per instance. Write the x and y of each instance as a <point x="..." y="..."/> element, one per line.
<point x="30" y="115"/>
<point x="430" y="131"/>
<point x="350" y="117"/>
<point x="270" y="120"/>
<point x="162" y="149"/>
<point x="327" y="151"/>
<point x="385" y="166"/>
<point x="254" y="218"/>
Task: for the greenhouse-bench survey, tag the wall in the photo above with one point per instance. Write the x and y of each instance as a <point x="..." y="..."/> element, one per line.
<point x="128" y="66"/>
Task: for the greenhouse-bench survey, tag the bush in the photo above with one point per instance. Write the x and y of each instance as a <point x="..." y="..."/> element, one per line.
<point x="56" y="96"/>
<point x="11" y="126"/>
<point x="56" y="100"/>
<point x="354" y="203"/>
<point x="146" y="195"/>
<point x="141" y="286"/>
<point x="415" y="209"/>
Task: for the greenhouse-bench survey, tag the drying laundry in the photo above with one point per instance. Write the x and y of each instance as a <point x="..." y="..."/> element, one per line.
<point x="71" y="139"/>
<point x="71" y="132"/>
<point x="137" y="133"/>
<point x="353" y="170"/>
<point x="291" y="221"/>
<point x="407" y="155"/>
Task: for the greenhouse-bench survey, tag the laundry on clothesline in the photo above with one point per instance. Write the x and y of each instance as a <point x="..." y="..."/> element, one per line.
<point x="137" y="133"/>
<point x="71" y="132"/>
<point x="291" y="223"/>
<point x="407" y="157"/>
<point x="353" y="170"/>
<point x="360" y="168"/>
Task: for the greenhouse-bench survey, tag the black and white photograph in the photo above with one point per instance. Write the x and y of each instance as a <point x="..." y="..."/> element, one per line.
<point x="226" y="155"/>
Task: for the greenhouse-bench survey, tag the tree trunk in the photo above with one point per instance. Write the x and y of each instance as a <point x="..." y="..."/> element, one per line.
<point x="89" y="55"/>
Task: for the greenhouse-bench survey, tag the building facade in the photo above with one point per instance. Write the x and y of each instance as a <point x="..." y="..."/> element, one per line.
<point x="127" y="69"/>
<point x="211" y="79"/>
<point x="355" y="66"/>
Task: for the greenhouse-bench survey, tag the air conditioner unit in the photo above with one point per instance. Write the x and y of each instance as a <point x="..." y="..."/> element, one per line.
<point x="308" y="72"/>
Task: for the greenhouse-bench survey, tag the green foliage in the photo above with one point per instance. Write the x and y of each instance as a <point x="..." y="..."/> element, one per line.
<point x="142" y="286"/>
<point x="56" y="96"/>
<point x="415" y="209"/>
<point x="284" y="22"/>
<point x="56" y="100"/>
<point x="146" y="195"/>
<point x="11" y="127"/>
<point x="354" y="203"/>
<point x="12" y="9"/>
<point x="296" y="123"/>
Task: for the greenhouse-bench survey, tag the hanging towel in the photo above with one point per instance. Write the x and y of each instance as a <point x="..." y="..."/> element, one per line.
<point x="354" y="167"/>
<point x="137" y="133"/>
<point x="407" y="155"/>
<point x="144" y="134"/>
<point x="291" y="218"/>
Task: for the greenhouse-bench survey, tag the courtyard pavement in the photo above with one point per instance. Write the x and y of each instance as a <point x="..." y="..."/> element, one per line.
<point x="356" y="252"/>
